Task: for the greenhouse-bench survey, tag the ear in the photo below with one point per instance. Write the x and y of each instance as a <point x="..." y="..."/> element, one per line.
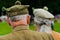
<point x="28" y="19"/>
<point x="8" y="20"/>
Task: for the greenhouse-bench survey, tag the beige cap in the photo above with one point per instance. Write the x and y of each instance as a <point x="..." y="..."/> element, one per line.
<point x="17" y="9"/>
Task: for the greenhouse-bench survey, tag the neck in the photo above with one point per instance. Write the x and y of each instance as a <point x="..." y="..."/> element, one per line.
<point x="21" y="27"/>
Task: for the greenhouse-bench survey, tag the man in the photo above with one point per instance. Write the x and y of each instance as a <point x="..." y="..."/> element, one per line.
<point x="43" y="22"/>
<point x="19" y="18"/>
<point x="42" y="17"/>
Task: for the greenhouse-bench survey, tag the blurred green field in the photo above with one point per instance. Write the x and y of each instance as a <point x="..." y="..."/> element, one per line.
<point x="5" y="28"/>
<point x="57" y="26"/>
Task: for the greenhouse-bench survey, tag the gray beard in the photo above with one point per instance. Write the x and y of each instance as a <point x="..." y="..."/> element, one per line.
<point x="45" y="28"/>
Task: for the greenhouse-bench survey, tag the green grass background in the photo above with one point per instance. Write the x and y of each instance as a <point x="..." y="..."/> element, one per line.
<point x="5" y="28"/>
<point x="57" y="26"/>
